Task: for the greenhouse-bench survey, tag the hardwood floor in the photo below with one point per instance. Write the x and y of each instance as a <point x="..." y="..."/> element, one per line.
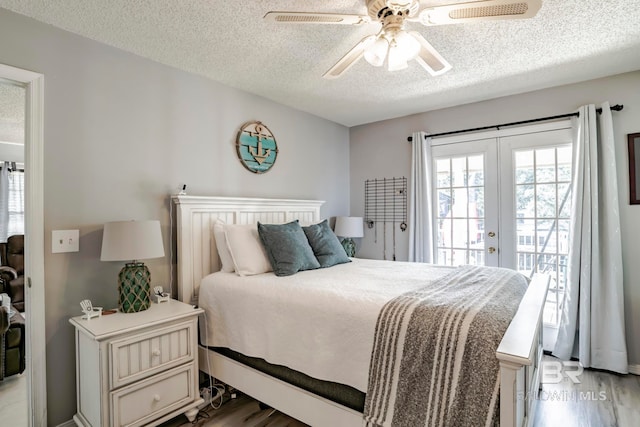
<point x="13" y="401"/>
<point x="241" y="412"/>
<point x="601" y="399"/>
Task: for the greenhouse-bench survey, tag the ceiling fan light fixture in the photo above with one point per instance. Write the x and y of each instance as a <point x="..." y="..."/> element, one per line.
<point x="376" y="52"/>
<point x="397" y="59"/>
<point x="407" y="44"/>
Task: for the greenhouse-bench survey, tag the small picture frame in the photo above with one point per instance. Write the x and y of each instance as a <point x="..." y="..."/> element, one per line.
<point x="634" y="168"/>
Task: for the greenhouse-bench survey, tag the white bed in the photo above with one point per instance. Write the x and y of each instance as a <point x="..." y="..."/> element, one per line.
<point x="296" y="305"/>
<point x="519" y="353"/>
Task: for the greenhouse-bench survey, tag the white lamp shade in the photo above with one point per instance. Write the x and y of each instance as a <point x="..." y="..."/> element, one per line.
<point x="376" y="52"/>
<point x="409" y="46"/>
<point x="349" y="226"/>
<point x="131" y="240"/>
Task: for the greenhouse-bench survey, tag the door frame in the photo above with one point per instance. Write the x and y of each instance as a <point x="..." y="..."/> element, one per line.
<point x="34" y="241"/>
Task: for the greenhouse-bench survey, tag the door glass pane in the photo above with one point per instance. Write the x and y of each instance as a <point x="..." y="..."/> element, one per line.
<point x="476" y="170"/>
<point x="459" y="171"/>
<point x="444" y="203"/>
<point x="459" y="257"/>
<point x="564" y="200"/>
<point x="546" y="200"/>
<point x="460" y="204"/>
<point x="542" y="206"/>
<point x="545" y="165"/>
<point x="564" y="164"/>
<point x="524" y="166"/>
<point x="443" y="172"/>
<point x="460" y="233"/>
<point x="525" y="201"/>
<point x="476" y="202"/>
<point x="461" y="209"/>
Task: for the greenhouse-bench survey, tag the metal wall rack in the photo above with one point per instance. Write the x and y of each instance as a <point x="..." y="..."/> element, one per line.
<point x="385" y="201"/>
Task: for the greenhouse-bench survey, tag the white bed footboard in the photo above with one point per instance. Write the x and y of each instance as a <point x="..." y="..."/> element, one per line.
<point x="520" y="356"/>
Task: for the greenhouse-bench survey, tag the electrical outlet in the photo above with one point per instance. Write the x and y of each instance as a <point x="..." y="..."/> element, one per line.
<point x="65" y="241"/>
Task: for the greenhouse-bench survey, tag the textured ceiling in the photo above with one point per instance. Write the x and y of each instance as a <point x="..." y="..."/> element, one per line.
<point x="228" y="41"/>
<point x="12" y="110"/>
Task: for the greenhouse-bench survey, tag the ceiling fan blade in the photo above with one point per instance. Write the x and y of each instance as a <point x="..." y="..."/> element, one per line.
<point x="316" y="18"/>
<point x="429" y="57"/>
<point x="349" y="59"/>
<point x="479" y="11"/>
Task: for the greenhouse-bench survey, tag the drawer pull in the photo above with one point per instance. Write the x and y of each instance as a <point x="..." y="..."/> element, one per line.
<point x="156" y="397"/>
<point x="156" y="353"/>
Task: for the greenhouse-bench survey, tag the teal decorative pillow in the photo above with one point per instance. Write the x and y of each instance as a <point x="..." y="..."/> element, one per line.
<point x="325" y="244"/>
<point x="287" y="248"/>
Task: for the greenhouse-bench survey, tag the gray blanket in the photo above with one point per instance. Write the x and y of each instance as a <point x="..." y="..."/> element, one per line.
<point x="433" y="361"/>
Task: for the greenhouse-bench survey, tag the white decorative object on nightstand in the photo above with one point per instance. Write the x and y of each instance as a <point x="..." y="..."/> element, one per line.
<point x="89" y="310"/>
<point x="160" y="295"/>
<point x="138" y="368"/>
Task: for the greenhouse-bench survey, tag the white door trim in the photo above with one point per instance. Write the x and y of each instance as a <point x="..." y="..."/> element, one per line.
<point x="34" y="241"/>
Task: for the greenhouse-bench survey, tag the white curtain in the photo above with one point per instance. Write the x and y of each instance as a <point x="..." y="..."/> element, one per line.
<point x="420" y="201"/>
<point x="594" y="306"/>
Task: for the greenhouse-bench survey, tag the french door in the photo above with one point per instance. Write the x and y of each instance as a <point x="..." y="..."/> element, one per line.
<point x="503" y="199"/>
<point x="466" y="203"/>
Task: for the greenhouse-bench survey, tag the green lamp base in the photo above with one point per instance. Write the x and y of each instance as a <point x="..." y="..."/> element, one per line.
<point x="349" y="247"/>
<point x="133" y="288"/>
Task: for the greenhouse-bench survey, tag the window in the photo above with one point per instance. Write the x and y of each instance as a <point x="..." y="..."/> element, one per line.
<point x="16" y="203"/>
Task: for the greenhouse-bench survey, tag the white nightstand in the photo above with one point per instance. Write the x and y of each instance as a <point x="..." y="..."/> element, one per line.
<point x="139" y="368"/>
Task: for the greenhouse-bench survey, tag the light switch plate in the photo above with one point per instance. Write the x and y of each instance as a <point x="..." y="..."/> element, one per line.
<point x="65" y="241"/>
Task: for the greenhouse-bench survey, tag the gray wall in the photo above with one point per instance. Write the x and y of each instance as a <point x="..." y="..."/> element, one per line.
<point x="381" y="150"/>
<point x="121" y="134"/>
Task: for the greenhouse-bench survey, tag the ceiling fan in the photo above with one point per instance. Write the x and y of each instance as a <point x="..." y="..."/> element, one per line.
<point x="395" y="45"/>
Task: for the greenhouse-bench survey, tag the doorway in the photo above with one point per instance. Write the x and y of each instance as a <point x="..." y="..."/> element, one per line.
<point x="33" y="84"/>
<point x="503" y="199"/>
<point x="13" y="387"/>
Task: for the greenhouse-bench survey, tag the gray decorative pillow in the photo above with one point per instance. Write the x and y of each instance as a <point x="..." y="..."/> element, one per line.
<point x="325" y="244"/>
<point x="287" y="248"/>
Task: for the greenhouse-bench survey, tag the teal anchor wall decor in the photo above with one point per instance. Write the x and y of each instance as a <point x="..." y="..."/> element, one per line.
<point x="256" y="146"/>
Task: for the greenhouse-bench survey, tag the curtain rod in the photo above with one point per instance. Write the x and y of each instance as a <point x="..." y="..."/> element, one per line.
<point x="616" y="107"/>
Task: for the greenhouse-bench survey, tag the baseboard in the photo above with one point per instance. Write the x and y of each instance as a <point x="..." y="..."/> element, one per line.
<point x="69" y="423"/>
<point x="634" y="369"/>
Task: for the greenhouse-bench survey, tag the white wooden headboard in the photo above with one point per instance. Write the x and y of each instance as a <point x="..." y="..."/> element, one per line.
<point x="197" y="252"/>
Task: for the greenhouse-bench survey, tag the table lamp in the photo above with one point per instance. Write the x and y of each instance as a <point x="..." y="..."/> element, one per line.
<point x="132" y="241"/>
<point x="349" y="227"/>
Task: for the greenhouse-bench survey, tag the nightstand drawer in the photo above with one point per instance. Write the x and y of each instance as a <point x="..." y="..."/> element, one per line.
<point x="145" y="354"/>
<point x="144" y="401"/>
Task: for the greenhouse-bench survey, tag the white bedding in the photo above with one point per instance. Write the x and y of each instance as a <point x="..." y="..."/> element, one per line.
<point x="319" y="322"/>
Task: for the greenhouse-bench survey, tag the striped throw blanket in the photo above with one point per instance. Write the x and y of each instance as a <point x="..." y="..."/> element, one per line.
<point x="433" y="361"/>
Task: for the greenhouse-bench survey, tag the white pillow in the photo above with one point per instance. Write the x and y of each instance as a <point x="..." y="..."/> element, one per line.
<point x="223" y="249"/>
<point x="247" y="252"/>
